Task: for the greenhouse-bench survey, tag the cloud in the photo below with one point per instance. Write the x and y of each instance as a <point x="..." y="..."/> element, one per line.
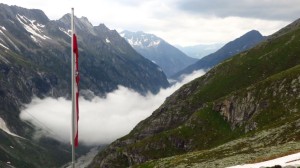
<point x="199" y="30"/>
<point x="102" y="120"/>
<point x="263" y="9"/>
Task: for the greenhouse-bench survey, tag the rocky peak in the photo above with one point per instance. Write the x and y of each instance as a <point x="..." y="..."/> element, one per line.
<point x="141" y="39"/>
<point x="84" y="24"/>
<point x="10" y="12"/>
<point x="66" y="19"/>
<point x="81" y="24"/>
<point x="101" y="28"/>
<point x="109" y="36"/>
<point x="85" y="21"/>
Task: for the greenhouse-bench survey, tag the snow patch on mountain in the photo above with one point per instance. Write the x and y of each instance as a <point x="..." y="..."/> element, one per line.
<point x="122" y="35"/>
<point x="2" y="32"/>
<point x="34" y="39"/>
<point x="153" y="43"/>
<point x="143" y="43"/>
<point x="8" y="39"/>
<point x="3" y="28"/>
<point x="65" y="31"/>
<point x="5" y="129"/>
<point x="134" y="42"/>
<point x="2" y="45"/>
<point x="141" y="40"/>
<point x="4" y="59"/>
<point x="11" y="42"/>
<point x="107" y="40"/>
<point x="32" y="27"/>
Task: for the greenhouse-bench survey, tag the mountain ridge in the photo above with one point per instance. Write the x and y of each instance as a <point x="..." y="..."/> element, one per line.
<point x="169" y="58"/>
<point x="35" y="61"/>
<point x="245" y="42"/>
<point x="251" y="93"/>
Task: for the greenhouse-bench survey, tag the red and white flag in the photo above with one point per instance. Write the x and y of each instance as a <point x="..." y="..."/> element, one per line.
<point x="76" y="89"/>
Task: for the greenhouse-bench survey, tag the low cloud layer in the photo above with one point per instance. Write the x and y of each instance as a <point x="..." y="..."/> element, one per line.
<point x="102" y="120"/>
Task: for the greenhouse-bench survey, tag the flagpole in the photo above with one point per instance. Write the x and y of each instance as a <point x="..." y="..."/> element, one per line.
<point x="73" y="89"/>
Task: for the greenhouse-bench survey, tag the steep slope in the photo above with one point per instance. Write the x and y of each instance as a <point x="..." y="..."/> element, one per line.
<point x="269" y="112"/>
<point x="22" y="152"/>
<point x="169" y="58"/>
<point x="254" y="91"/>
<point x="46" y="43"/>
<point x="232" y="48"/>
<point x="35" y="61"/>
<point x="35" y="58"/>
<point x="112" y="61"/>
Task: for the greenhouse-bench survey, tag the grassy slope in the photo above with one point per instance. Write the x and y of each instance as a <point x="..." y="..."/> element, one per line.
<point x="277" y="134"/>
<point x="237" y="73"/>
<point x="205" y="129"/>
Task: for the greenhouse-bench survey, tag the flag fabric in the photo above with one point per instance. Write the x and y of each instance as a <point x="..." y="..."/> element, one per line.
<point x="76" y="89"/>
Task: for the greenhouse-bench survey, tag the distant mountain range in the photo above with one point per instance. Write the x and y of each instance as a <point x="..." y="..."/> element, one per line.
<point x="35" y="61"/>
<point x="234" y="47"/>
<point x="200" y="50"/>
<point x="169" y="58"/>
<point x="244" y="110"/>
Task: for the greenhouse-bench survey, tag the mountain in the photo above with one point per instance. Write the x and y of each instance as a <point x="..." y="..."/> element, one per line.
<point x="114" y="62"/>
<point x="200" y="50"/>
<point x="169" y="58"/>
<point x="107" y="59"/>
<point x="236" y="46"/>
<point x="243" y="110"/>
<point x="35" y="61"/>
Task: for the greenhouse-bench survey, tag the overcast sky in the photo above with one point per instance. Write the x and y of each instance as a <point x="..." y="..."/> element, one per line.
<point x="183" y="22"/>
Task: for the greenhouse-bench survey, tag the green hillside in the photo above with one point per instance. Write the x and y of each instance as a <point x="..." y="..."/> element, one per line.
<point x="277" y="126"/>
<point x="248" y="96"/>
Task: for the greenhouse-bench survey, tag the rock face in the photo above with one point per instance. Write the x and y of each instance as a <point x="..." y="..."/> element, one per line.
<point x="254" y="91"/>
<point x="107" y="60"/>
<point x="241" y="108"/>
<point x="245" y="42"/>
<point x="237" y="111"/>
<point x="267" y="115"/>
<point x="169" y="58"/>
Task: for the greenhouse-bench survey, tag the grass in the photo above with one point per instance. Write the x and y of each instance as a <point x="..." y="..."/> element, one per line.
<point x="205" y="129"/>
<point x="250" y="67"/>
<point x="271" y="65"/>
<point x="247" y="149"/>
<point x="276" y="127"/>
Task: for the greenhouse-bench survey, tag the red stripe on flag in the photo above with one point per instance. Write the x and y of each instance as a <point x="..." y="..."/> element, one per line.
<point x="75" y="50"/>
